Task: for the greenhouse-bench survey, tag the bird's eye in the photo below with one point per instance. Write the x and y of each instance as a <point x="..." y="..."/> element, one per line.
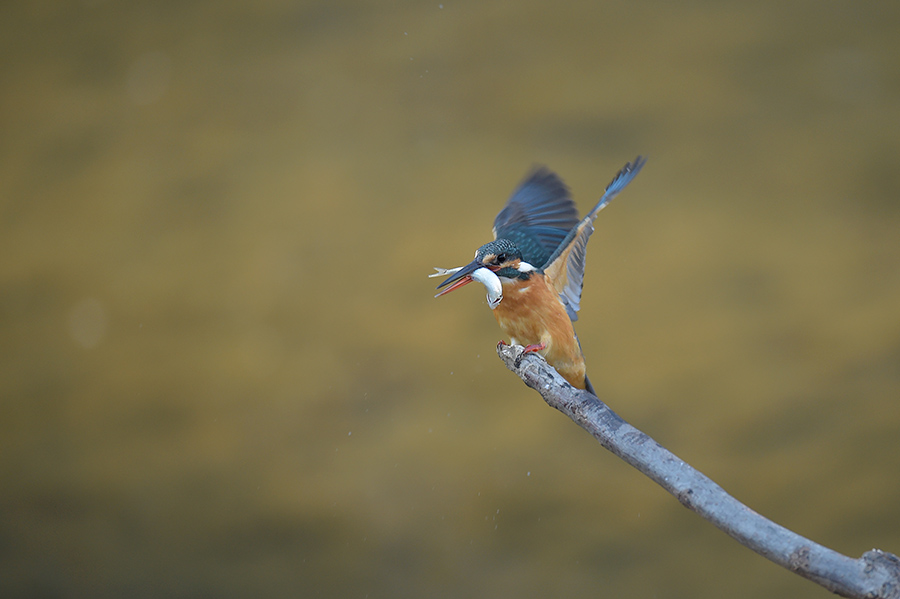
<point x="501" y="258"/>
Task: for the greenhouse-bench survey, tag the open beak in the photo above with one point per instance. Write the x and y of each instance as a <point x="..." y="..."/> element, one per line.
<point x="462" y="276"/>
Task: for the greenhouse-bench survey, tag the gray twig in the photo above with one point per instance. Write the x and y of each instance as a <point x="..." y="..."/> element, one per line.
<point x="875" y="575"/>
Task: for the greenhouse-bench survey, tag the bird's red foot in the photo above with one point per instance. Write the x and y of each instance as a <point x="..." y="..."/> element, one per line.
<point x="529" y="349"/>
<point x="534" y="348"/>
<point x="501" y="343"/>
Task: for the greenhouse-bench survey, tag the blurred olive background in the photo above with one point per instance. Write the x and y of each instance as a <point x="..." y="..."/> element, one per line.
<point x="222" y="370"/>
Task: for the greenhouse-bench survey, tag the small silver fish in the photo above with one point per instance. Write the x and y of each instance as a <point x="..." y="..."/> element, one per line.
<point x="491" y="282"/>
<point x="484" y="276"/>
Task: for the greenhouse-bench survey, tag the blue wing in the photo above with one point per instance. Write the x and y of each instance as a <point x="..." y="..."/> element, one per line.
<point x="566" y="266"/>
<point x="538" y="216"/>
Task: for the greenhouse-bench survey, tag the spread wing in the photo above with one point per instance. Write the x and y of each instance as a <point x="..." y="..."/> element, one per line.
<point x="566" y="266"/>
<point x="538" y="216"/>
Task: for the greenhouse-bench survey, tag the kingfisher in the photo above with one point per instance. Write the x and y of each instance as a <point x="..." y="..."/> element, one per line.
<point x="534" y="268"/>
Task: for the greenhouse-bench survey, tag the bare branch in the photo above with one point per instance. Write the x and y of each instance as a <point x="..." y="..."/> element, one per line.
<point x="875" y="575"/>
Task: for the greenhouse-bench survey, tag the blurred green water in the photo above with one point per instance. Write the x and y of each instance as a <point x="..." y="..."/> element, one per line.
<point x="222" y="370"/>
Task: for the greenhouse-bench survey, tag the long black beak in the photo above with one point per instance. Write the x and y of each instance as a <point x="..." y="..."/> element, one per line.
<point x="461" y="277"/>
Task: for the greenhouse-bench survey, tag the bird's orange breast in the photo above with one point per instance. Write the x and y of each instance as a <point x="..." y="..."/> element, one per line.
<point x="531" y="313"/>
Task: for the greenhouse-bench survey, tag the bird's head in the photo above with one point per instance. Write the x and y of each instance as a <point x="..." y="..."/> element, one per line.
<point x="496" y="260"/>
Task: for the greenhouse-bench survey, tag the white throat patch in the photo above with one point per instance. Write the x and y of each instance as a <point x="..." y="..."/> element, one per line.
<point x="525" y="267"/>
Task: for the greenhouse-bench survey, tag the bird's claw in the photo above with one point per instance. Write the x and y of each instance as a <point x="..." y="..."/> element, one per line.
<point x="529" y="349"/>
<point x="534" y="348"/>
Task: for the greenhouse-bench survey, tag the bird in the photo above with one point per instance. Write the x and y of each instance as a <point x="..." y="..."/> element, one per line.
<point x="534" y="268"/>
